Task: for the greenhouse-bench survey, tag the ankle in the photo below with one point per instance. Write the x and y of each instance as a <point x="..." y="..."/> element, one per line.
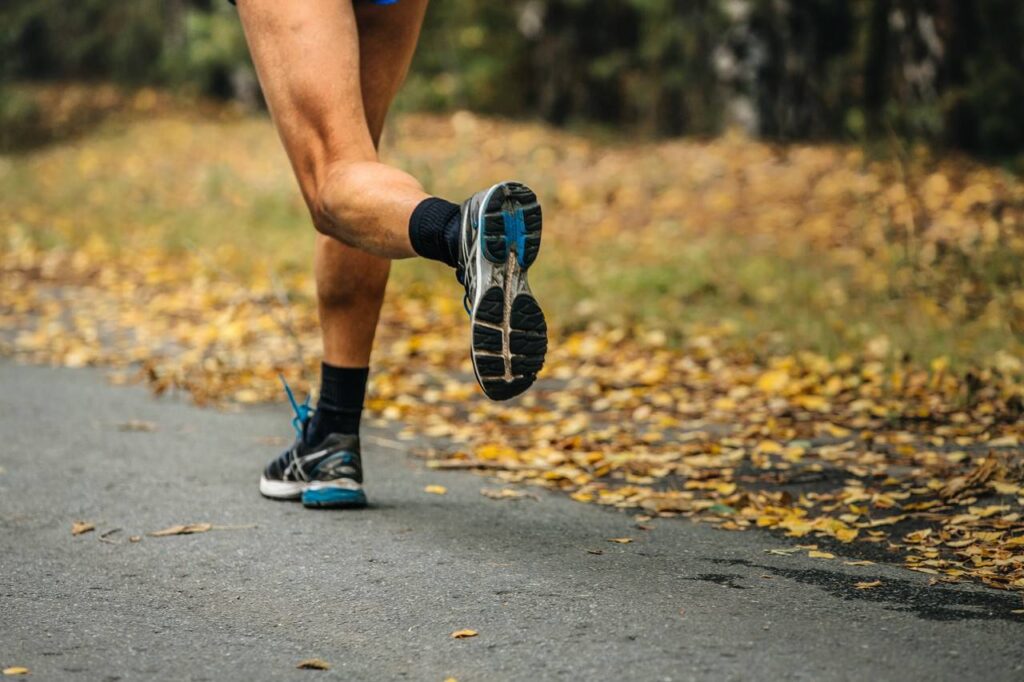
<point x="434" y="230"/>
<point x="340" y="408"/>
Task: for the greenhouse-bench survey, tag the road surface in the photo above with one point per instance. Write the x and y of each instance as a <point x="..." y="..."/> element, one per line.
<point x="377" y="593"/>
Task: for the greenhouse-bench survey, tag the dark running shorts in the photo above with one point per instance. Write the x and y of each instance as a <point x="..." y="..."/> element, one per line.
<point x="376" y="2"/>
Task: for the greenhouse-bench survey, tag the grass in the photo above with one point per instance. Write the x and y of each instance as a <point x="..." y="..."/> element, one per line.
<point x="787" y="248"/>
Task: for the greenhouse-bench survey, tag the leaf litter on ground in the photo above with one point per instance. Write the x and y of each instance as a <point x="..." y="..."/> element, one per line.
<point x="863" y="447"/>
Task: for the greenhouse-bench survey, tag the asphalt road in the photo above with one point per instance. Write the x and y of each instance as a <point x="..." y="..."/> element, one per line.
<point x="377" y="593"/>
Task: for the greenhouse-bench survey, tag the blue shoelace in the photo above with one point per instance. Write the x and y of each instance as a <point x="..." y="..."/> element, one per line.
<point x="303" y="412"/>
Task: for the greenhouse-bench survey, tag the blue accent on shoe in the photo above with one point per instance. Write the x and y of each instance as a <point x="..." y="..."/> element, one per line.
<point x="515" y="232"/>
<point x="341" y="458"/>
<point x="303" y="412"/>
<point x="334" y="497"/>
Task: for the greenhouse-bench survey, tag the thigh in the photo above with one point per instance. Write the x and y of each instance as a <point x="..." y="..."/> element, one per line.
<point x="387" y="42"/>
<point x="307" y="57"/>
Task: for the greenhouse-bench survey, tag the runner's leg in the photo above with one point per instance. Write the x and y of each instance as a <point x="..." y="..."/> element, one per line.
<point x="350" y="282"/>
<point x="307" y="57"/>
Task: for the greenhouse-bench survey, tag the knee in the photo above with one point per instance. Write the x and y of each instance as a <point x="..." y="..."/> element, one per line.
<point x="335" y="200"/>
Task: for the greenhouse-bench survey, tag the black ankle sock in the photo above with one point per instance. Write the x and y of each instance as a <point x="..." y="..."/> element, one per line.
<point x="341" y="402"/>
<point x="434" y="230"/>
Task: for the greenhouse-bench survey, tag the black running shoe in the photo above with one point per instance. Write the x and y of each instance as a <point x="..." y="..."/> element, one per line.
<point x="500" y="241"/>
<point x="327" y="474"/>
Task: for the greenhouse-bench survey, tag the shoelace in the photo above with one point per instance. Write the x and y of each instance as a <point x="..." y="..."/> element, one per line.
<point x="303" y="413"/>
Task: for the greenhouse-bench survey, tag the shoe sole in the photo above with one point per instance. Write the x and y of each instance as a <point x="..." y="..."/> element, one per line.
<point x="344" y="494"/>
<point x="509" y="331"/>
<point x="281" y="490"/>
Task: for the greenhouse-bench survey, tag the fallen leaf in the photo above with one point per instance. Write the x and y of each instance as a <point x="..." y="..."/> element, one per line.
<point x="621" y="541"/>
<point x="187" y="529"/>
<point x="505" y="494"/>
<point x="435" y="489"/>
<point x="867" y="585"/>
<point x="16" y="670"/>
<point x="135" y="538"/>
<point x="861" y="562"/>
<point x="463" y="634"/>
<point x="783" y="552"/>
<point x="815" y="554"/>
<point x="79" y="527"/>
<point x="136" y="425"/>
<point x="313" y="664"/>
<point x="595" y="551"/>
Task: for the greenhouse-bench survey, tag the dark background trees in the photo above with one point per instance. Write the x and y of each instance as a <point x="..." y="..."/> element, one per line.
<point x="947" y="72"/>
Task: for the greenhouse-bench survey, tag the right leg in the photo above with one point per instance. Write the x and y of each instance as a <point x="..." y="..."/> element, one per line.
<point x="307" y="57"/>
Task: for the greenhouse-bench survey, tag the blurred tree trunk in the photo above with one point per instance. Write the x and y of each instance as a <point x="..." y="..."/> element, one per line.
<point x="876" y="66"/>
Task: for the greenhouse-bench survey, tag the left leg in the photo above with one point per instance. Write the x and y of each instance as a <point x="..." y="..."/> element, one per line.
<point x="376" y="44"/>
<point x="350" y="282"/>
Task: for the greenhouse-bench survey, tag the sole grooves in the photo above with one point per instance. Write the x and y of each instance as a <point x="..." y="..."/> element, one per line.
<point x="506" y="371"/>
<point x="509" y="345"/>
<point x="492" y="307"/>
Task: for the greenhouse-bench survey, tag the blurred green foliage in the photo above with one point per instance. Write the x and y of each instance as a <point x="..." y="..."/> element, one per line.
<point x="947" y="72"/>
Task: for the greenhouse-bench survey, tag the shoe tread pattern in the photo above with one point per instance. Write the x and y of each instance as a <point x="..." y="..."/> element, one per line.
<point x="502" y="374"/>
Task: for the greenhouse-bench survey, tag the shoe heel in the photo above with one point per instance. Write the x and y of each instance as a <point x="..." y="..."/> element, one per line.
<point x="512" y="219"/>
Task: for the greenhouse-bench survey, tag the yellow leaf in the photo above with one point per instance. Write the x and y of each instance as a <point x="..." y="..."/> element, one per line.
<point x="917" y="535"/>
<point x="16" y="670"/>
<point x="960" y="544"/>
<point x="989" y="535"/>
<point x="725" y="488"/>
<point x="867" y="585"/>
<point x="314" y="664"/>
<point x="769" y="447"/>
<point x="435" y="489"/>
<point x="812" y="403"/>
<point x="247" y="395"/>
<point x="1005" y="488"/>
<point x="815" y="554"/>
<point x="463" y="634"/>
<point x="991" y="510"/>
<point x="79" y="527"/>
<point x="621" y="541"/>
<point x="772" y="381"/>
<point x="862" y="562"/>
<point x="846" y="534"/>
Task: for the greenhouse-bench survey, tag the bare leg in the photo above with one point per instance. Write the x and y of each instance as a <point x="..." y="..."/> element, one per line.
<point x="350" y="283"/>
<point x="307" y="56"/>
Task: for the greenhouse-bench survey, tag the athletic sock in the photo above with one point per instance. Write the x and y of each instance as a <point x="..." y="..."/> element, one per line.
<point x="340" y="407"/>
<point x="434" y="230"/>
